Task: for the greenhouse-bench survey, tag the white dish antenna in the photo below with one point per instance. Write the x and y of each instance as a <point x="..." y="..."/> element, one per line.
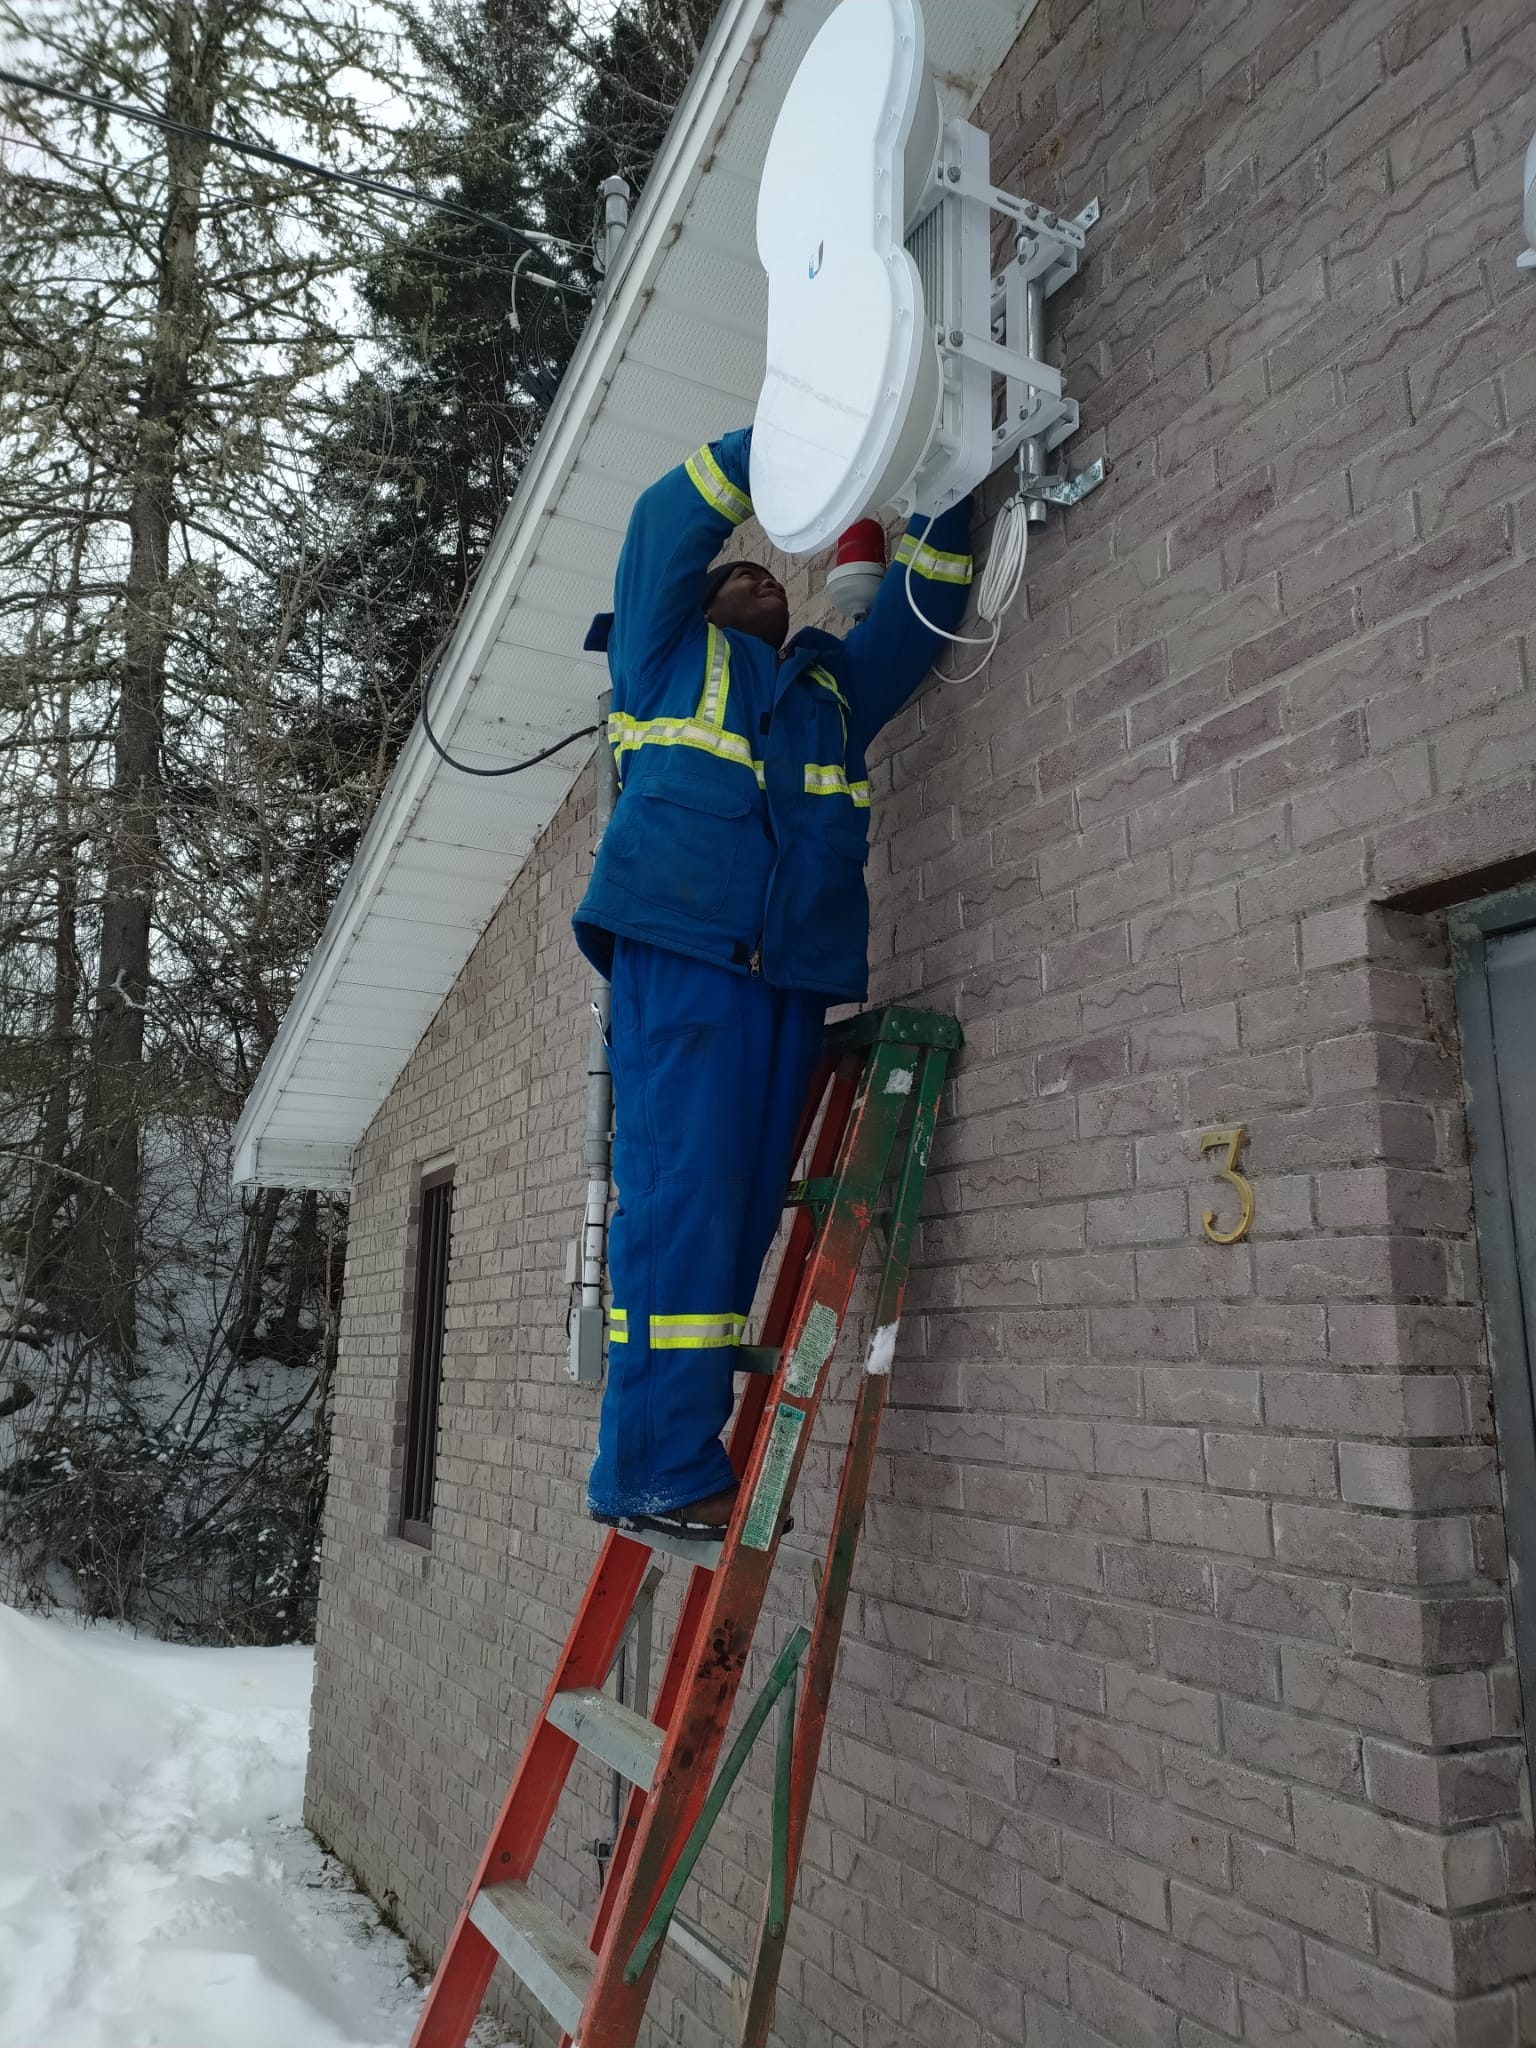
<point x="887" y="333"/>
<point x="851" y="394"/>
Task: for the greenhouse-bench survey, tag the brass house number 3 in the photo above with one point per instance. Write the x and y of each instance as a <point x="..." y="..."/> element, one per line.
<point x="1212" y="1141"/>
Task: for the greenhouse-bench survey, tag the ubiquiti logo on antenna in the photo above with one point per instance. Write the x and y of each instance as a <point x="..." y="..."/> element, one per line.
<point x="815" y="263"/>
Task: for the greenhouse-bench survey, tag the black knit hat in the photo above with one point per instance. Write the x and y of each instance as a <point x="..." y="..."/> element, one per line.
<point x="716" y="577"/>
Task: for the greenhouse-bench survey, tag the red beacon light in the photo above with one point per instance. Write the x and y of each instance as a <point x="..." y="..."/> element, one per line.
<point x="855" y="576"/>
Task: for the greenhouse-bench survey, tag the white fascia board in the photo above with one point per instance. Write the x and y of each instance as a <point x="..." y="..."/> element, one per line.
<point x="734" y="41"/>
<point x="274" y="1163"/>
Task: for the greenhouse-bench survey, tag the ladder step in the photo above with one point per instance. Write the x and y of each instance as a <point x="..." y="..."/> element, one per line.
<point x="763" y="1358"/>
<point x="537" y="1946"/>
<point x="685" y="1547"/>
<point x="703" y="1949"/>
<point x="615" y="1734"/>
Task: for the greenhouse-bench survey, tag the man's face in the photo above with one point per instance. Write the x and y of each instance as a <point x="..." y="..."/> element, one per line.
<point x="751" y="600"/>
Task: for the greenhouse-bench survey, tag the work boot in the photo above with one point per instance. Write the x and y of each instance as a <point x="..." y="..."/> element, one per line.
<point x="701" y="1521"/>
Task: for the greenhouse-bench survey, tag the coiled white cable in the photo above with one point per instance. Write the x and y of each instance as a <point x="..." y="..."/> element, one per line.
<point x="1002" y="578"/>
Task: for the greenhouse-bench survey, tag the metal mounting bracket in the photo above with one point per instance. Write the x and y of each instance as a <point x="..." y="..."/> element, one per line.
<point x="1046" y="245"/>
<point x="1055" y="487"/>
<point x="1047" y="252"/>
<point x="1050" y="249"/>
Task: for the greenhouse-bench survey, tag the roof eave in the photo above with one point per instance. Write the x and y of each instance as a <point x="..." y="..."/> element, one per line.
<point x="716" y="84"/>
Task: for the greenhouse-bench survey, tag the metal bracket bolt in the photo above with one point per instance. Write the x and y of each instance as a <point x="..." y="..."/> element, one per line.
<point x="1057" y="488"/>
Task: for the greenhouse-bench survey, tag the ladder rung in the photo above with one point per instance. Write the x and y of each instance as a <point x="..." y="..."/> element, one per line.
<point x="704" y="1950"/>
<point x="615" y="1734"/>
<point x="537" y="1946"/>
<point x="689" y="1550"/>
<point x="763" y="1358"/>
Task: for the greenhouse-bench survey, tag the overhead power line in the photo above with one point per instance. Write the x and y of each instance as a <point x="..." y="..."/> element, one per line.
<point x="532" y="239"/>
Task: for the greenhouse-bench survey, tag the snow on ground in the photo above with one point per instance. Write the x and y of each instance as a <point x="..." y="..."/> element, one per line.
<point x="157" y="1886"/>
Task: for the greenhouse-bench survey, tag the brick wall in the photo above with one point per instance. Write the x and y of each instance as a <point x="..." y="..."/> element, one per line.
<point x="1177" y="1704"/>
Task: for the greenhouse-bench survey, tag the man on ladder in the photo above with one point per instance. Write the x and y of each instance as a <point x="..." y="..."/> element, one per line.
<point x="728" y="908"/>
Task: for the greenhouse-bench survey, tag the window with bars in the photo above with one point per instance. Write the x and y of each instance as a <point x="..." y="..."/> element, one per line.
<point x="433" y="1233"/>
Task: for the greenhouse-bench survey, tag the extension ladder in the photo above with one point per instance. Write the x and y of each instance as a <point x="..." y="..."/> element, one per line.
<point x="880" y="1081"/>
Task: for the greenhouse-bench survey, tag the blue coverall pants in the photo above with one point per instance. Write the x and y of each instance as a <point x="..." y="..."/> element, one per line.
<point x="710" y="1071"/>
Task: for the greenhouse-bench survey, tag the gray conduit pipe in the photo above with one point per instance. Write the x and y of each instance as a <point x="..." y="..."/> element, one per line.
<point x="585" y="1327"/>
<point x="586" y="1322"/>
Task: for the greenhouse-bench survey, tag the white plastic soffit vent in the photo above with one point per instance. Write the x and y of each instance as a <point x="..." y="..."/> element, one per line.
<point x="673" y="356"/>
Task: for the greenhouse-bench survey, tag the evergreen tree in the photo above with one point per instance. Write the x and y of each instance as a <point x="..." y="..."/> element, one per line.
<point x="474" y="334"/>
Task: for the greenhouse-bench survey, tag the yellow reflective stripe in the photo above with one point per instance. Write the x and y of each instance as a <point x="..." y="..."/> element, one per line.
<point x="705" y="730"/>
<point x="696" y="1333"/>
<point x="634" y="733"/>
<point x="819" y="675"/>
<point x="717" y="679"/>
<point x="716" y="488"/>
<point x="618" y="1326"/>
<point x="827" y="779"/>
<point x="933" y="562"/>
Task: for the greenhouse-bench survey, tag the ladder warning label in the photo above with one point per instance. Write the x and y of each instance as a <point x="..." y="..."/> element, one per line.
<point x="773" y="1480"/>
<point x="812" y="1352"/>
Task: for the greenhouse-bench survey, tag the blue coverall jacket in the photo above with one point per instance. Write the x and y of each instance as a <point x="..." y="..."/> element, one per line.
<point x="742" y="826"/>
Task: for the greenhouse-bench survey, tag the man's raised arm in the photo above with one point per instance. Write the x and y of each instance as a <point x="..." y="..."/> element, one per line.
<point x="677" y="528"/>
<point x="893" y="649"/>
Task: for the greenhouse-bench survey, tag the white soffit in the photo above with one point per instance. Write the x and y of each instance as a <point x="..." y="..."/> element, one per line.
<point x="673" y="356"/>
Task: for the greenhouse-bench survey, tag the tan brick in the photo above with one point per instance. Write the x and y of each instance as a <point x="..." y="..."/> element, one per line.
<point x="1252" y="1943"/>
<point x="1444" y="1709"/>
<point x="1161" y="1578"/>
<point x="1354" y="1991"/>
<point x="1109" y="1506"/>
<point x="1171" y="1972"/>
<point x="1210" y="1521"/>
<point x="1227" y="1658"/>
<point x="1425" y="1477"/>
<point x="1117" y="2011"/>
<point x="1201" y="1394"/>
<point x="1160" y="1834"/>
<point x="1273" y="2020"/>
<point x="1403" y="1628"/>
<point x="1146" y="1451"/>
<point x="1125" y="1885"/>
<point x="1148" y="1701"/>
<point x="1439" y="1869"/>
<point x="1474" y="1952"/>
<point x="1303" y="1467"/>
<point x="1372" y="1546"/>
<point x="1296" y="1890"/>
<point x="1210" y="1785"/>
<point x="1442" y="1790"/>
<point x="1111" y="1754"/>
<point x="1283" y="1603"/>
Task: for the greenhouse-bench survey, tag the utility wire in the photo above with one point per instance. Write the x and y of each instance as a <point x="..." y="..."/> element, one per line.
<point x="533" y="238"/>
<point x="515" y="767"/>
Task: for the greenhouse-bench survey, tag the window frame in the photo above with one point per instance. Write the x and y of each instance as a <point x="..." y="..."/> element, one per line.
<point x="427" y="1308"/>
<point x="1471" y="926"/>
